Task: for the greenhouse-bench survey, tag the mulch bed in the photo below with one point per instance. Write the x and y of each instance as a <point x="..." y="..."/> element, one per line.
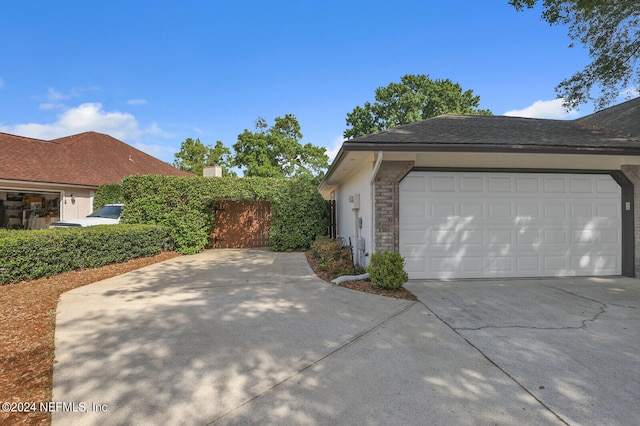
<point x="365" y="286"/>
<point x="27" y="326"/>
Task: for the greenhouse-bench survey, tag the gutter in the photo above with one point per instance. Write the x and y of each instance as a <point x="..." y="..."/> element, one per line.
<point x="529" y="149"/>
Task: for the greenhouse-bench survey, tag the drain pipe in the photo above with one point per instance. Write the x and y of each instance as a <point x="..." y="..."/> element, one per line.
<point x="344" y="278"/>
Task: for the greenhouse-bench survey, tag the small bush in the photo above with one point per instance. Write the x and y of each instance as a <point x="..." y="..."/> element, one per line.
<point x="386" y="270"/>
<point x="332" y="258"/>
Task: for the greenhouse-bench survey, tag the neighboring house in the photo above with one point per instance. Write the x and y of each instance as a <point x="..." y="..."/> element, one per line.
<point x="59" y="178"/>
<point x="475" y="196"/>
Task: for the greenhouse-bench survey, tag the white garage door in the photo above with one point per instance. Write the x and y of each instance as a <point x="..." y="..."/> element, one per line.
<point x="481" y="225"/>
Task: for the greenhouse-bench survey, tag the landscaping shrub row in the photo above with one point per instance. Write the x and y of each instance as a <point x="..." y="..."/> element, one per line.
<point x="185" y="205"/>
<point x="386" y="270"/>
<point x="34" y="254"/>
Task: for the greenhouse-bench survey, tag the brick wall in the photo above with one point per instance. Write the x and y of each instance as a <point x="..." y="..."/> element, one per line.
<point x="387" y="198"/>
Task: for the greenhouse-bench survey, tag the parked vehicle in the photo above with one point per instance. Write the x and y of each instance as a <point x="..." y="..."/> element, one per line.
<point x="109" y="214"/>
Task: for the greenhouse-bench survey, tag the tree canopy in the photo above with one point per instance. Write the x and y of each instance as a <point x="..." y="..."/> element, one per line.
<point x="610" y="30"/>
<point x="415" y="98"/>
<point x="276" y="151"/>
<point x="194" y="155"/>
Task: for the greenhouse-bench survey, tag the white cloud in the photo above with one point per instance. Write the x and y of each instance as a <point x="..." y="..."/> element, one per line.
<point x="333" y="150"/>
<point x="626" y="95"/>
<point x="163" y="152"/>
<point x="552" y="109"/>
<point x="137" y="102"/>
<point x="87" y="117"/>
<point x="54" y="96"/>
<point x="52" y="105"/>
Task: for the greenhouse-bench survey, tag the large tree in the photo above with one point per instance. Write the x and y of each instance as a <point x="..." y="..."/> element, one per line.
<point x="610" y="30"/>
<point x="415" y="98"/>
<point x="276" y="151"/>
<point x="194" y="155"/>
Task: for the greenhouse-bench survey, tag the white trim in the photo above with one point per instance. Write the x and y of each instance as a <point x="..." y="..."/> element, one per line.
<point x="6" y="183"/>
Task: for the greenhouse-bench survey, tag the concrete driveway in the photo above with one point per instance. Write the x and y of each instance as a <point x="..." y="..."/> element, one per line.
<point x="572" y="343"/>
<point x="253" y="337"/>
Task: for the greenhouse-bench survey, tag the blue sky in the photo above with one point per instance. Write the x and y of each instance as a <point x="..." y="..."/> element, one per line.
<point x="153" y="73"/>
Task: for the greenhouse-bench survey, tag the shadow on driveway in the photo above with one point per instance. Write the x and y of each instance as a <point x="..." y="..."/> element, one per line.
<point x="573" y="343"/>
<point x="251" y="336"/>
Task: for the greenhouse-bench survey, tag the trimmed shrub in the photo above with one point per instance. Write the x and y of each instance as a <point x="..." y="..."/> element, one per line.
<point x="386" y="270"/>
<point x="34" y="254"/>
<point x="332" y="258"/>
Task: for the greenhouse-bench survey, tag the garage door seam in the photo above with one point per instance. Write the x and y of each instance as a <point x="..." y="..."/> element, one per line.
<point x="495" y="364"/>
<point x="314" y="363"/>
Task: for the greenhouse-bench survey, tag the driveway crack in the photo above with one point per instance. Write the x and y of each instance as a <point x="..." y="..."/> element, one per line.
<point x="492" y="362"/>
<point x="603" y="309"/>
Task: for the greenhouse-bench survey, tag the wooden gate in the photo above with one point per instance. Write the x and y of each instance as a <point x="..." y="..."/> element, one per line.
<point x="241" y="224"/>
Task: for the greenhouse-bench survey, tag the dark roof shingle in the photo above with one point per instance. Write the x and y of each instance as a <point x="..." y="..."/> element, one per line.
<point x="616" y="128"/>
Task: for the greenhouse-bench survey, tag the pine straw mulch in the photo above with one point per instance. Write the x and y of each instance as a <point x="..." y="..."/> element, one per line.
<point x="27" y="326"/>
<point x="365" y="286"/>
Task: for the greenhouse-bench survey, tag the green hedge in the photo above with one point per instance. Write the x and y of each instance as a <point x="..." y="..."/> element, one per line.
<point x="108" y="194"/>
<point x="34" y="254"/>
<point x="185" y="206"/>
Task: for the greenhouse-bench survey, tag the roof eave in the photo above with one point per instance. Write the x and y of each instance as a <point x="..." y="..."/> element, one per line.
<point x="540" y="149"/>
<point x="322" y="186"/>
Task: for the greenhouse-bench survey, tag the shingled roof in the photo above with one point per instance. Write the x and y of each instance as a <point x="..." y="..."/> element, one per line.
<point x="88" y="159"/>
<point x="614" y="130"/>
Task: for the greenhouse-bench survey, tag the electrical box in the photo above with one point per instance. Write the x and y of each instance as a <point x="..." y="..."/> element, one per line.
<point x="361" y="244"/>
<point x="356" y="201"/>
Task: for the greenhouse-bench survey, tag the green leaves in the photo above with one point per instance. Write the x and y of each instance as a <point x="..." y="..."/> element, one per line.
<point x="610" y="30"/>
<point x="34" y="254"/>
<point x="194" y="155"/>
<point x="185" y="206"/>
<point x="415" y="98"/>
<point x="386" y="270"/>
<point x="276" y="151"/>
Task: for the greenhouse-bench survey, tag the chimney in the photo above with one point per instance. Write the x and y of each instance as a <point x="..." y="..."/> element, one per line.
<point x="212" y="171"/>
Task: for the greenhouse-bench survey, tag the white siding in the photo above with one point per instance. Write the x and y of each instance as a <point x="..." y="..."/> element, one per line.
<point x="357" y="183"/>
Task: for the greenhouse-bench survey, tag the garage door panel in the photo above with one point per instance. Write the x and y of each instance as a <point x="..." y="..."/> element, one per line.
<point x="528" y="263"/>
<point x="443" y="184"/>
<point x="478" y="225"/>
<point x="500" y="184"/>
<point x="528" y="184"/>
<point x="581" y="185"/>
<point x="607" y="186"/>
<point x="554" y="185"/>
<point x="471" y="184"/>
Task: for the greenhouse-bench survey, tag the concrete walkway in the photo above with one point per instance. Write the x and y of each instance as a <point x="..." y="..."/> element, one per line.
<point x="253" y="337"/>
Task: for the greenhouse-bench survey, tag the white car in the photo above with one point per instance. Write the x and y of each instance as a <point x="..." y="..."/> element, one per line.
<point x="109" y="214"/>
